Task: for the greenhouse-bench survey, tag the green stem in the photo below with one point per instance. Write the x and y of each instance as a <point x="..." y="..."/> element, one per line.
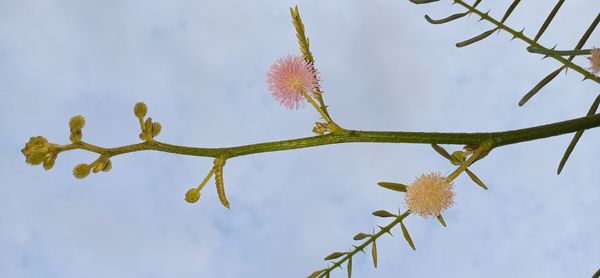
<point x="333" y="126"/>
<point x="207" y="178"/>
<point x="361" y="247"/>
<point x="354" y="136"/>
<point x="529" y="41"/>
<point x="545" y="51"/>
<point x="483" y="148"/>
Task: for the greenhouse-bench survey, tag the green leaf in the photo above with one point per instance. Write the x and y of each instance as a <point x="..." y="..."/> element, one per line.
<point x="510" y="10"/>
<point x="350" y="267"/>
<point x="316" y="273"/>
<point x="407" y="236"/>
<point x="476" y="38"/>
<point x="441" y="219"/>
<point x="361" y="236"/>
<point x="548" y="20"/>
<point x="335" y="255"/>
<point x="423" y="1"/>
<point x="445" y="19"/>
<point x="393" y="186"/>
<point x="445" y="154"/>
<point x="576" y="137"/>
<point x="384" y="213"/>
<point x="374" y="253"/>
<point x="540" y="85"/>
<point x="586" y="35"/>
<point x="475" y="179"/>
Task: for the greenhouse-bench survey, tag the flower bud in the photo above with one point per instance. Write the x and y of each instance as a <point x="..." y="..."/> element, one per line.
<point x="107" y="166"/>
<point x="156" y="127"/>
<point x="76" y="123"/>
<point x="192" y="195"/>
<point x="81" y="170"/>
<point x="36" y="150"/>
<point x="140" y="109"/>
<point x="49" y="161"/>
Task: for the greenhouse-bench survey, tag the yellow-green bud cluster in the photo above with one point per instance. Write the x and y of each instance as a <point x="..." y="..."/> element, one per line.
<point x="81" y="170"/>
<point x="321" y="128"/>
<point x="76" y="124"/>
<point x="101" y="164"/>
<point x="149" y="128"/>
<point x="37" y="150"/>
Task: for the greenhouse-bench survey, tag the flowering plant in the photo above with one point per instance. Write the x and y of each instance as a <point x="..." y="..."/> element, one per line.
<point x="294" y="80"/>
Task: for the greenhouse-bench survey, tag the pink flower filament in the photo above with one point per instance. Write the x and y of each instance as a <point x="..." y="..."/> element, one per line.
<point x="287" y="78"/>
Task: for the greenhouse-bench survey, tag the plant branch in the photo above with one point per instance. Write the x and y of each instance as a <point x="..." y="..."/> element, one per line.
<point x="372" y="238"/>
<point x="354" y="136"/>
<point x="523" y="37"/>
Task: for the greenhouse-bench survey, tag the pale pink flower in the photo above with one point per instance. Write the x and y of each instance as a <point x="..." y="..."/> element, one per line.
<point x="595" y="60"/>
<point x="287" y="78"/>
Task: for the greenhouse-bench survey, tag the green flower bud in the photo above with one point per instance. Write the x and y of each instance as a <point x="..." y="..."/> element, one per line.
<point x="76" y="123"/>
<point x="156" y="127"/>
<point x="36" y="150"/>
<point x="107" y="166"/>
<point x="49" y="162"/>
<point x="319" y="128"/>
<point x="76" y="136"/>
<point x="81" y="170"/>
<point x="192" y="195"/>
<point x="140" y="109"/>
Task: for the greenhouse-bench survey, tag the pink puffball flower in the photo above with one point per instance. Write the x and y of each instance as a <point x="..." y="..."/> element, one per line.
<point x="287" y="78"/>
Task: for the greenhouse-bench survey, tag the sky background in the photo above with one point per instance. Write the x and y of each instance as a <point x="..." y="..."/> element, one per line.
<point x="201" y="67"/>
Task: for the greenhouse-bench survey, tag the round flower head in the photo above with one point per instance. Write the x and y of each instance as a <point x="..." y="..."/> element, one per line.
<point x="595" y="60"/>
<point x="429" y="195"/>
<point x="288" y="77"/>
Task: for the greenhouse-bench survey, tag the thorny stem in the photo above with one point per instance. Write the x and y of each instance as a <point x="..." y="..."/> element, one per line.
<point x="353" y="136"/>
<point x="372" y="238"/>
<point x="523" y="37"/>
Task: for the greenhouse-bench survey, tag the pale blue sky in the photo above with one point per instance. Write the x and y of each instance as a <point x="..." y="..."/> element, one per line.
<point x="201" y="68"/>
